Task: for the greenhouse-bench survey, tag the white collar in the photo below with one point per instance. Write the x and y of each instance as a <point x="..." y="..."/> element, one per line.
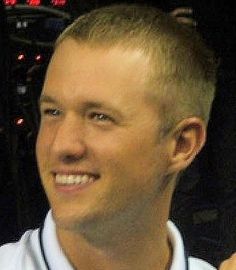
<point x="54" y="254"/>
<point x="179" y="259"/>
<point x="57" y="259"/>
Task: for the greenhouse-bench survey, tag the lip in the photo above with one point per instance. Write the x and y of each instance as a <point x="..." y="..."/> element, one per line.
<point x="75" y="172"/>
<point x="73" y="188"/>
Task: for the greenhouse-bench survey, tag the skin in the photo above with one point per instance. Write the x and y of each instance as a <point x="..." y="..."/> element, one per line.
<point x="97" y="118"/>
<point x="229" y="264"/>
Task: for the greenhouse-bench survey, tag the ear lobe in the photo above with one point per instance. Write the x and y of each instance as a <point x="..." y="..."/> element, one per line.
<point x="188" y="139"/>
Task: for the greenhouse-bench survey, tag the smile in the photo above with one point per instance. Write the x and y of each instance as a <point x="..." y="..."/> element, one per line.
<point x="71" y="179"/>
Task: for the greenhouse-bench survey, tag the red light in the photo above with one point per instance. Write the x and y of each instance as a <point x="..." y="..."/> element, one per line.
<point x="38" y="57"/>
<point x="21" y="57"/>
<point x="34" y="2"/>
<point x="10" y="2"/>
<point x="58" y="2"/>
<point x="19" y="121"/>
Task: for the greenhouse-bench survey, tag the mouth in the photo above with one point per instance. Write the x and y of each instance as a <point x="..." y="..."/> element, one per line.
<point x="70" y="182"/>
<point x="72" y="179"/>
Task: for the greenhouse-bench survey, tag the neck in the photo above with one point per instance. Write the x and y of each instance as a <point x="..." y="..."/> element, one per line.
<point x="137" y="251"/>
<point x="132" y="241"/>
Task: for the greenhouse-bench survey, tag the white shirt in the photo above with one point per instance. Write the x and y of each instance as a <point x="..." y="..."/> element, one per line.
<point x="29" y="254"/>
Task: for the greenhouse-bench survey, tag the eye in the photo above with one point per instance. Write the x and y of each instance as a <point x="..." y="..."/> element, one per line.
<point x="50" y="112"/>
<point x="101" y="117"/>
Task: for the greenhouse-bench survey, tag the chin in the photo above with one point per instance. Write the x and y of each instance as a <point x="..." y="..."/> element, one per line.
<point x="72" y="220"/>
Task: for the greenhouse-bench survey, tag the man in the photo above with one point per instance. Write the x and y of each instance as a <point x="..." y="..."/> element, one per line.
<point x="229" y="264"/>
<point x="124" y="110"/>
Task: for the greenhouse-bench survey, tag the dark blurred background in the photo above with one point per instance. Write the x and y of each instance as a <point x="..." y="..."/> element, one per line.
<point x="204" y="205"/>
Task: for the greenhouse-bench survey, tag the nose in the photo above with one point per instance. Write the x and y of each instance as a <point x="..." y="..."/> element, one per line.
<point x="68" y="144"/>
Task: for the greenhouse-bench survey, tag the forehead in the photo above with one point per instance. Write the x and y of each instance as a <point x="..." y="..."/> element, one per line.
<point x="79" y="67"/>
<point x="76" y="54"/>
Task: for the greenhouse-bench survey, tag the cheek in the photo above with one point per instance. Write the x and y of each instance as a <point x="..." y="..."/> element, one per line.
<point x="43" y="144"/>
<point x="136" y="157"/>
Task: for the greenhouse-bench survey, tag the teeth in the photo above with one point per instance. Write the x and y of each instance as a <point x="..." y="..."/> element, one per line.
<point x="74" y="179"/>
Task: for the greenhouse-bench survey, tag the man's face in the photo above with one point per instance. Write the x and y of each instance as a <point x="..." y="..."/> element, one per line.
<point x="98" y="148"/>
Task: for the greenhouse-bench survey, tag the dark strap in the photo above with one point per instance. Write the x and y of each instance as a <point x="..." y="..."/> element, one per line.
<point x="186" y="259"/>
<point x="42" y="248"/>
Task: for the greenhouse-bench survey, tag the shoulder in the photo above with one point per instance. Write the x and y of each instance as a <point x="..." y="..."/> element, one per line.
<point x="198" y="264"/>
<point x="22" y="255"/>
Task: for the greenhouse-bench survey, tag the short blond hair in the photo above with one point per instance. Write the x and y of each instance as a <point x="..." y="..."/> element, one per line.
<point x="182" y="69"/>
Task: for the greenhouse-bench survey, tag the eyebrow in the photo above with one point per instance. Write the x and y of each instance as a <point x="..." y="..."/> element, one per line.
<point x="46" y="99"/>
<point x="97" y="105"/>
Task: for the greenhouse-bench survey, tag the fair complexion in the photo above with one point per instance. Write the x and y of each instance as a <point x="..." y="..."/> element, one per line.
<point x="108" y="176"/>
<point x="229" y="264"/>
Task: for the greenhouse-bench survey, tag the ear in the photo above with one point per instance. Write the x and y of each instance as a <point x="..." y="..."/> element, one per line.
<point x="187" y="138"/>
